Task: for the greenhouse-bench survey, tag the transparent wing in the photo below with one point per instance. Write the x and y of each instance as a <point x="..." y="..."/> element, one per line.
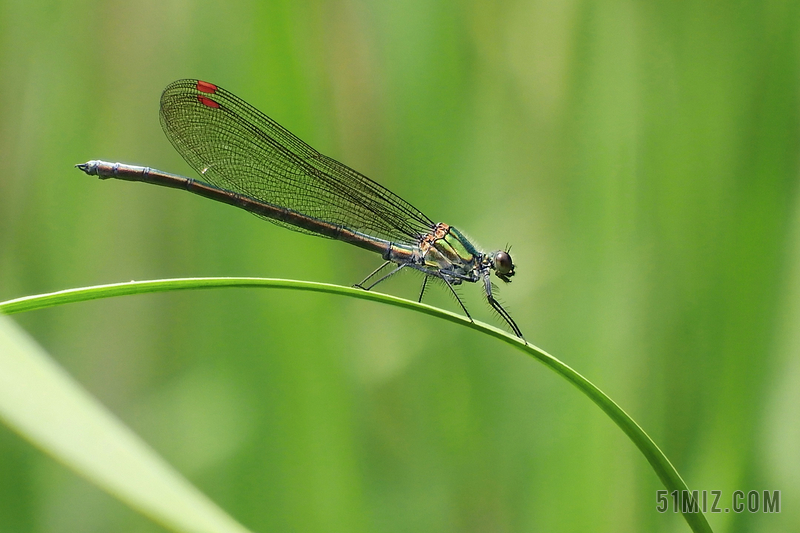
<point x="236" y="147"/>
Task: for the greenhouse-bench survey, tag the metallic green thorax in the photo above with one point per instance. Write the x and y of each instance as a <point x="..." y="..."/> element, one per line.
<point x="446" y="249"/>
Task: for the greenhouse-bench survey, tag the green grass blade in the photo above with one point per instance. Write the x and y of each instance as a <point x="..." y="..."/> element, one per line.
<point x="46" y="406"/>
<point x="658" y="461"/>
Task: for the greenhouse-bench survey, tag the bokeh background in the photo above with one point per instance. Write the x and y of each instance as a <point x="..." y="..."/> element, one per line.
<point x="641" y="157"/>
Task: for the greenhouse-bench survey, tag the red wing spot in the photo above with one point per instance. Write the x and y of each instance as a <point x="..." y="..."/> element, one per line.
<point x="205" y="87"/>
<point x="208" y="102"/>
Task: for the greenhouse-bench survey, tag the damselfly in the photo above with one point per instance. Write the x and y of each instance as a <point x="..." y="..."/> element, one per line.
<point x="248" y="160"/>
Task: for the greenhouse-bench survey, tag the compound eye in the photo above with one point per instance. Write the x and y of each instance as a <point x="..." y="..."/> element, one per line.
<point x="503" y="264"/>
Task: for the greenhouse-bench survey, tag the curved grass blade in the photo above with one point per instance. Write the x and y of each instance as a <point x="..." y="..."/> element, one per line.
<point x="658" y="461"/>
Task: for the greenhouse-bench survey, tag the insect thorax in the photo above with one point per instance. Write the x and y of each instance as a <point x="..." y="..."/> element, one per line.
<point x="446" y="249"/>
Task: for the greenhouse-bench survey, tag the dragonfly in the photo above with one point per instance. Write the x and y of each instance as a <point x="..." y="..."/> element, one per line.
<point x="248" y="160"/>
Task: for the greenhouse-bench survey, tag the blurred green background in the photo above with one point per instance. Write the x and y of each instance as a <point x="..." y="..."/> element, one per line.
<point x="641" y="157"/>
